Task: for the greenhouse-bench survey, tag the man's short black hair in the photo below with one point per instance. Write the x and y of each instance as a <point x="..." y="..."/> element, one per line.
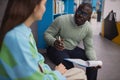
<point x="85" y="4"/>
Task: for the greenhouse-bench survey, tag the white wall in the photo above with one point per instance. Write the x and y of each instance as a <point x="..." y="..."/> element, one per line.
<point x="112" y="5"/>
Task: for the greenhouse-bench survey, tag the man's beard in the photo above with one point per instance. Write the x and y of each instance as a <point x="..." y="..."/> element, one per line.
<point x="80" y="21"/>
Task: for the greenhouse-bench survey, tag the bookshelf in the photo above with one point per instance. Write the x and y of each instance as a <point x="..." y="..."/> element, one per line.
<point x="54" y="8"/>
<point x="77" y="3"/>
<point x="62" y="7"/>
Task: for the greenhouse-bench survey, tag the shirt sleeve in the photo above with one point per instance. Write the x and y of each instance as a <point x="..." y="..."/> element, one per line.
<point x="52" y="31"/>
<point x="88" y="44"/>
<point x="21" y="63"/>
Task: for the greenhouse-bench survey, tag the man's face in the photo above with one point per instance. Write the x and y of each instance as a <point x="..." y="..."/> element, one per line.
<point x="82" y="15"/>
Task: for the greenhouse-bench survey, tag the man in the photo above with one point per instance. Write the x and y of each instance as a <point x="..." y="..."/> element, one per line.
<point x="99" y="10"/>
<point x="65" y="34"/>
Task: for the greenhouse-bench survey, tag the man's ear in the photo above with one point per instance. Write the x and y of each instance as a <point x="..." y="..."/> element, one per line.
<point x="89" y="18"/>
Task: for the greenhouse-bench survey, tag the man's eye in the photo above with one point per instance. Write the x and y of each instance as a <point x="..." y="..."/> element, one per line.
<point x="82" y="13"/>
<point x="85" y="14"/>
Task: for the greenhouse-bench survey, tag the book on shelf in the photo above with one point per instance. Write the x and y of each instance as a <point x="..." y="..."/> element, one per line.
<point x="78" y="2"/>
<point x="90" y="63"/>
<point x="58" y="6"/>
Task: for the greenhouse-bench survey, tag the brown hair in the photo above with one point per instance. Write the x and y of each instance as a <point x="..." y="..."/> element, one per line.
<point x="17" y="11"/>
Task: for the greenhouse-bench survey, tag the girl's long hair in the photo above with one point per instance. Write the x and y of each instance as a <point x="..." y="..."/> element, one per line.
<point x="17" y="11"/>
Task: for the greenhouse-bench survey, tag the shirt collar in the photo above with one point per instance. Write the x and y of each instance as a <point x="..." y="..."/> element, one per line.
<point x="25" y="30"/>
<point x="72" y="20"/>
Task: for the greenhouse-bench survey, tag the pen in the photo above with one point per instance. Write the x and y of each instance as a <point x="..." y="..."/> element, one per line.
<point x="59" y="38"/>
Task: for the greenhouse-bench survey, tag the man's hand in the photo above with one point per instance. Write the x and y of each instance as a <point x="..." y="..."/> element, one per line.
<point x="97" y="67"/>
<point x="58" y="44"/>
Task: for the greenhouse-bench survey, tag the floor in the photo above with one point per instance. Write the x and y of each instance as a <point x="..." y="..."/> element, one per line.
<point x="107" y="51"/>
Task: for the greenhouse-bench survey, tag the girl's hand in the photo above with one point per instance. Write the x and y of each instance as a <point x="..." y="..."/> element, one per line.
<point x="61" y="68"/>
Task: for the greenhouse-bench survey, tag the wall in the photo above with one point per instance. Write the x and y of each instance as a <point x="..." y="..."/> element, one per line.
<point x="112" y="5"/>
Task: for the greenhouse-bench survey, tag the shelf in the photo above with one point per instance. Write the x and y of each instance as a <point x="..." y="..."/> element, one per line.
<point x="56" y="15"/>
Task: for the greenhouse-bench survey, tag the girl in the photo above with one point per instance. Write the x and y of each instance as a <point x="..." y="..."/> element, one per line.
<point x="19" y="58"/>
